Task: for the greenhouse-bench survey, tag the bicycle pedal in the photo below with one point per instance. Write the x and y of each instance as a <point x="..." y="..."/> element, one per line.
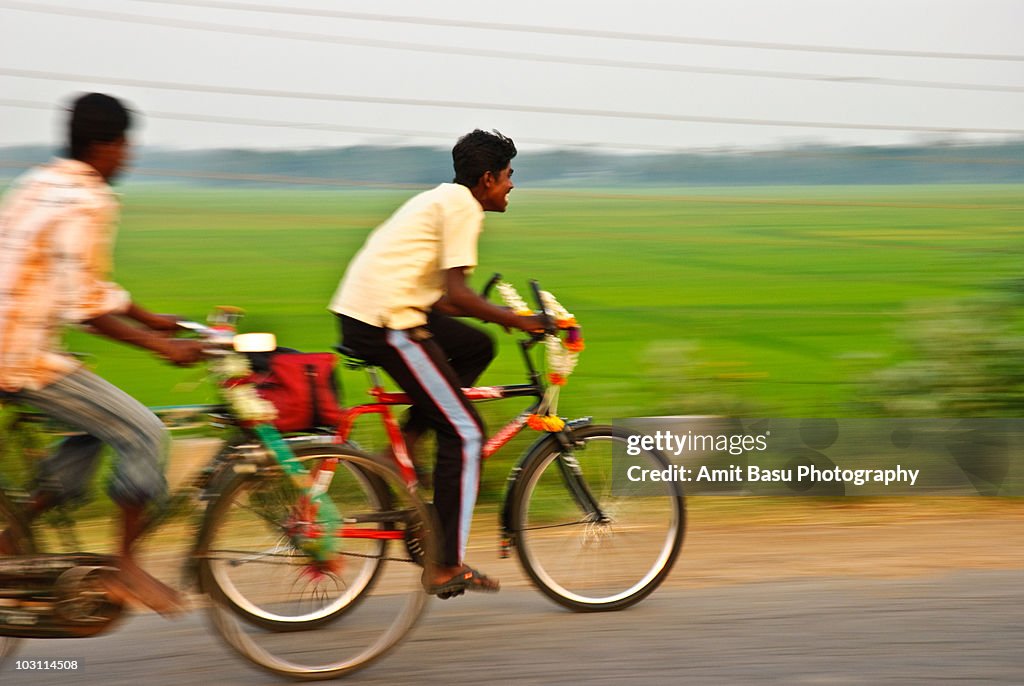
<point x="451" y="594"/>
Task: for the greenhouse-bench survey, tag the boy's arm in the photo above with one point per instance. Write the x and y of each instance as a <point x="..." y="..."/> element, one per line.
<point x="462" y="301"/>
<point x="445" y="306"/>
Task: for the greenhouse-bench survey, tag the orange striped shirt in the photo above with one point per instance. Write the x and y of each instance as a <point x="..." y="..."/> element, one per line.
<point x="57" y="225"/>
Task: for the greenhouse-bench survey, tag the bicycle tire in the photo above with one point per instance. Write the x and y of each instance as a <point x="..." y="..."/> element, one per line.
<point x="584" y="564"/>
<point x="262" y="629"/>
<point x="214" y="564"/>
<point x="21" y="542"/>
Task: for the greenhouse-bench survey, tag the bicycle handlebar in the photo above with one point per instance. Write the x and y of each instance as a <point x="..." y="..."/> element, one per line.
<point x="545" y="316"/>
<point x="486" y="292"/>
<point x="548" y="322"/>
<point x="219" y="341"/>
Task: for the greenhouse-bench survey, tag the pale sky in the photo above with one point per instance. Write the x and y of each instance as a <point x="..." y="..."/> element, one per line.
<point x="335" y="60"/>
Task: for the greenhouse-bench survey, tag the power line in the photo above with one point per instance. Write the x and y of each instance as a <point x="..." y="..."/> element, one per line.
<point x="509" y="55"/>
<point x="341" y="128"/>
<point x="503" y="107"/>
<point x="585" y="33"/>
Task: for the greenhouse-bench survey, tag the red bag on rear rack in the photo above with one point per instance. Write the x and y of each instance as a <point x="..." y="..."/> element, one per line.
<point x="300" y="385"/>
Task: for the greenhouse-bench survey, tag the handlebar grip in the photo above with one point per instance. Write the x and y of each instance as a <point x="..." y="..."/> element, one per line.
<point x="486" y="292"/>
<point x="196" y="327"/>
<point x="214" y="338"/>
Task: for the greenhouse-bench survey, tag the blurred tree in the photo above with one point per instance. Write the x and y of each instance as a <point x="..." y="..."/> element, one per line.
<point x="965" y="359"/>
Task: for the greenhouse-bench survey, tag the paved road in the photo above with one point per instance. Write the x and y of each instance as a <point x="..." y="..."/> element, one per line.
<point x="968" y="626"/>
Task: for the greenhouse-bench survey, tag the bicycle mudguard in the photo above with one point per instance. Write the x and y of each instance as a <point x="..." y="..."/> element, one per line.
<point x="564" y="438"/>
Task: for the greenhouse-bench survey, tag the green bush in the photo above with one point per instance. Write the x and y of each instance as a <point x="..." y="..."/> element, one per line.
<point x="965" y="358"/>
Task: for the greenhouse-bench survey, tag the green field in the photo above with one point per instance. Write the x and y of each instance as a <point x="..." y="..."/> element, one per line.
<point x="772" y="300"/>
<point x="759" y="301"/>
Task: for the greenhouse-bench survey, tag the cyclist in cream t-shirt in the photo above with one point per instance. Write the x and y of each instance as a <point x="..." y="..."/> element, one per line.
<point x="396" y="305"/>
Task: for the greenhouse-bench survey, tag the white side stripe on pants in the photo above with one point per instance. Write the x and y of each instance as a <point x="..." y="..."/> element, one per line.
<point x="437" y="387"/>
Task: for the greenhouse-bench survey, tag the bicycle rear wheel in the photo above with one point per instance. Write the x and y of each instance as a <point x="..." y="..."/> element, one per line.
<point x="17" y="539"/>
<point x="245" y="554"/>
<point x="595" y="560"/>
<point x="264" y="589"/>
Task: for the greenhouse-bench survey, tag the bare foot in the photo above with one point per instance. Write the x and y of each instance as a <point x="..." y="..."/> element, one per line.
<point x="134" y="585"/>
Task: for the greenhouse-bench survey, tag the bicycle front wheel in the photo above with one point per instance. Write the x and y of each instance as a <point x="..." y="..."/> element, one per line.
<point x="588" y="544"/>
<point x="265" y="590"/>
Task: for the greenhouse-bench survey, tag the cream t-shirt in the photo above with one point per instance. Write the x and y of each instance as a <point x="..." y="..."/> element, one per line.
<point x="399" y="273"/>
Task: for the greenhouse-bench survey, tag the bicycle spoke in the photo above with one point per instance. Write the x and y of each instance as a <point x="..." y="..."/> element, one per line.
<point x="265" y="588"/>
<point x="615" y="554"/>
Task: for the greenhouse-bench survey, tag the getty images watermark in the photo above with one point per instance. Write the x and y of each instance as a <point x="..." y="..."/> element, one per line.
<point x="828" y="457"/>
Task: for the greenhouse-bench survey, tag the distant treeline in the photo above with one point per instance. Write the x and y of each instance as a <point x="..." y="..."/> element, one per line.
<point x="381" y="166"/>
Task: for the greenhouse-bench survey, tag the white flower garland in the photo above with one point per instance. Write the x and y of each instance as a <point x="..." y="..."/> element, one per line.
<point x="512" y="299"/>
<point x="246" y="404"/>
<point x="561" y="356"/>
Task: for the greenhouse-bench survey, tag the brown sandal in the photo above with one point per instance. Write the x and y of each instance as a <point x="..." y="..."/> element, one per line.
<point x="467" y="579"/>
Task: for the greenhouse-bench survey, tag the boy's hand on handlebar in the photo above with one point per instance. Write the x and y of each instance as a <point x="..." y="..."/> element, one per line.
<point x="531" y="324"/>
<point x="181" y="351"/>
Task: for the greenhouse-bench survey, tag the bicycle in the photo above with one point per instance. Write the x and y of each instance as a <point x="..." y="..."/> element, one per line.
<point x="586" y="537"/>
<point x="328" y="530"/>
<point x="282" y="503"/>
<point x="587" y="540"/>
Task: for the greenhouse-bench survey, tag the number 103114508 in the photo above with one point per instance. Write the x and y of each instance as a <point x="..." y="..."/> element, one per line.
<point x="47" y="665"/>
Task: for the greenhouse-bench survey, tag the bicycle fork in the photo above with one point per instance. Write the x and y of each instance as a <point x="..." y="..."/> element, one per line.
<point x="572" y="476"/>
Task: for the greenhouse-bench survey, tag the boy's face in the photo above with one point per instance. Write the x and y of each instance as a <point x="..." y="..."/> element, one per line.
<point x="496" y="188"/>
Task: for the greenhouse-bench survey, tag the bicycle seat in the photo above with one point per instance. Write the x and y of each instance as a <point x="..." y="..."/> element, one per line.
<point x="352" y="358"/>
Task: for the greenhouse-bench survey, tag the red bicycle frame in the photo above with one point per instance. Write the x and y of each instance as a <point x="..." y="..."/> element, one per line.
<point x="385" y="400"/>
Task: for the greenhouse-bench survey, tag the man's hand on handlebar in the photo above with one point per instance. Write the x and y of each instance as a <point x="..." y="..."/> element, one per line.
<point x="177" y="351"/>
<point x="181" y="351"/>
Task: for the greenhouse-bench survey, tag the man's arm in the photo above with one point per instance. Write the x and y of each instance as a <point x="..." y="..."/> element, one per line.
<point x="156" y="322"/>
<point x="461" y="300"/>
<point x="178" y="351"/>
<point x="103" y="305"/>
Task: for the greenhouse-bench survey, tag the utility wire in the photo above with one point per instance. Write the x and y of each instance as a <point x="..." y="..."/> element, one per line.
<point x="578" y="32"/>
<point x="508" y="54"/>
<point x="341" y="128"/>
<point x="490" y="106"/>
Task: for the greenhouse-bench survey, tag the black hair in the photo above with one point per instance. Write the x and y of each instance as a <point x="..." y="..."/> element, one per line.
<point x="479" y="152"/>
<point x="95" y="118"/>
